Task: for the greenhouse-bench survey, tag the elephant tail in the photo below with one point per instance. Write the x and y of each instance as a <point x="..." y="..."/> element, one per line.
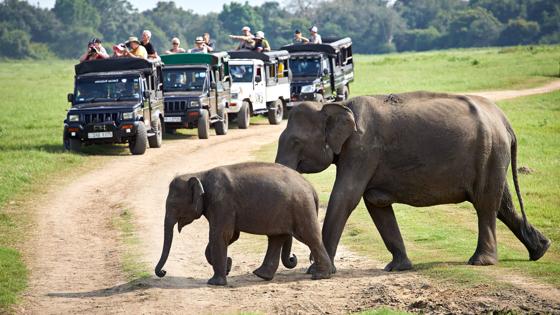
<point x="514" y="173"/>
<point x="287" y="260"/>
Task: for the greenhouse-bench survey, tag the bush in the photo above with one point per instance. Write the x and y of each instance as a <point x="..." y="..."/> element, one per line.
<point x="15" y="43"/>
<point x="519" y="32"/>
<point x="417" y="39"/>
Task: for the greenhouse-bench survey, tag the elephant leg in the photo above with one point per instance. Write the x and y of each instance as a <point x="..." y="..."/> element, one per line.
<point x="486" y="252"/>
<point x="229" y="261"/>
<point x="386" y="223"/>
<point x="535" y="242"/>
<point x="219" y="241"/>
<point x="272" y="258"/>
<point x="311" y="236"/>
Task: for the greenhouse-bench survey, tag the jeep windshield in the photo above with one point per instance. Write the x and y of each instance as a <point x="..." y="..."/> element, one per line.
<point x="305" y="67"/>
<point x="107" y="89"/>
<point x="184" y="80"/>
<point x="241" y="73"/>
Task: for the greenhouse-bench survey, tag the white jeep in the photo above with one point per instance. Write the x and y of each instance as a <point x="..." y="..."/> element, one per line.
<point x="260" y="85"/>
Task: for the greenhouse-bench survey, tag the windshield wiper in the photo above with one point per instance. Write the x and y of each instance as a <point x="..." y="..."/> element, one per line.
<point x="93" y="99"/>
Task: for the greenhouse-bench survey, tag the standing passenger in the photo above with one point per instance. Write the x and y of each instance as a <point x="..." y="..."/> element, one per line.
<point x="299" y="39"/>
<point x="199" y="46"/>
<point x="315" y="38"/>
<point x="146" y="37"/>
<point x="175" y="47"/>
<point x="210" y="43"/>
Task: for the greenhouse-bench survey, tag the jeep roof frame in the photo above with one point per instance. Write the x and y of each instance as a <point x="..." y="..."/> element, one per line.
<point x="213" y="59"/>
<point x="330" y="46"/>
<point x="120" y="64"/>
<point x="267" y="57"/>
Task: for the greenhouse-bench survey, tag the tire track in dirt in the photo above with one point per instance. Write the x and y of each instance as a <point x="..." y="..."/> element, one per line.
<point x="75" y="253"/>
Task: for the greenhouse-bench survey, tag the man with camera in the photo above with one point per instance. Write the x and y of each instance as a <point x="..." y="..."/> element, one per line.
<point x="95" y="51"/>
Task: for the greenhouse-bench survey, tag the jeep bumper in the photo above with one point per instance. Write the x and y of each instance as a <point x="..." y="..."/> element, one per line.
<point x="109" y="132"/>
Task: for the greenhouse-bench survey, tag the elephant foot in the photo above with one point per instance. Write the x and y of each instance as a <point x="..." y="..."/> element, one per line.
<point x="320" y="275"/>
<point x="264" y="273"/>
<point x="483" y="259"/>
<point x="228" y="265"/>
<point x="313" y="269"/>
<point x="217" y="280"/>
<point x="399" y="265"/>
<point x="540" y="250"/>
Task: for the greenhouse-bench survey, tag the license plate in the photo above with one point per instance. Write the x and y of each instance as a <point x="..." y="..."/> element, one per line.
<point x="172" y="119"/>
<point x="99" y="135"/>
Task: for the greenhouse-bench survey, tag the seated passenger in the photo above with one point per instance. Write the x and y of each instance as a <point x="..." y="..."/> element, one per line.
<point x="175" y="49"/>
<point x="146" y="37"/>
<point x="261" y="44"/>
<point x="94" y="51"/>
<point x="136" y="50"/>
<point x="246" y="41"/>
<point x="199" y="46"/>
<point x="315" y="38"/>
<point x="299" y="39"/>
<point x="118" y="50"/>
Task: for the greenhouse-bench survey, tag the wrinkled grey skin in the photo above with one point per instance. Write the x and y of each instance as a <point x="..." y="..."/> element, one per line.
<point x="257" y="198"/>
<point x="420" y="149"/>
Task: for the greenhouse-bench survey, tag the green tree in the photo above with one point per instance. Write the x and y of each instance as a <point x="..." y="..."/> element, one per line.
<point x="420" y="14"/>
<point x="503" y="10"/>
<point x="235" y="15"/>
<point x="15" y="43"/>
<point x="77" y="13"/>
<point x="519" y="32"/>
<point x="473" y="28"/>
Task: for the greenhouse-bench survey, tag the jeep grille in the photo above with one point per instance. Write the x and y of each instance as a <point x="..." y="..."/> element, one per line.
<point x="175" y="106"/>
<point x="296" y="89"/>
<point x="100" y="118"/>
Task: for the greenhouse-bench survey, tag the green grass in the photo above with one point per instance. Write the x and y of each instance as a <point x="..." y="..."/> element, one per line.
<point x="457" y="70"/>
<point x="131" y="263"/>
<point x="13" y="275"/>
<point x="441" y="239"/>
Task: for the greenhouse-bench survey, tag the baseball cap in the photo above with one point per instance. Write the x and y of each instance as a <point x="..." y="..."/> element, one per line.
<point x="313" y="29"/>
<point x="246" y="28"/>
<point x="259" y="35"/>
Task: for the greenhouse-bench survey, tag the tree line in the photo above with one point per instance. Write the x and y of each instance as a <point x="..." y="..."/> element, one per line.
<point x="376" y="26"/>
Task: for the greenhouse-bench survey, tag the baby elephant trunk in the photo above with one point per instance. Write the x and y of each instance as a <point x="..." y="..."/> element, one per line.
<point x="287" y="260"/>
<point x="167" y="239"/>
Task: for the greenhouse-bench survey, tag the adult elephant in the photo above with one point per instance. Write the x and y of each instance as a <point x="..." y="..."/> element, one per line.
<point x="420" y="149"/>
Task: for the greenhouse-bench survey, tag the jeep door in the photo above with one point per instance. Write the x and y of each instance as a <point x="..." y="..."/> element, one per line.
<point x="213" y="95"/>
<point x="259" y="88"/>
<point x="146" y="103"/>
<point x="326" y="82"/>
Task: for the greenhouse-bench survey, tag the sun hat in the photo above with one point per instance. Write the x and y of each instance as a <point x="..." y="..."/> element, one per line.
<point x="199" y="39"/>
<point x="133" y="39"/>
<point x="313" y="29"/>
<point x="259" y="35"/>
<point x="119" y="47"/>
<point x="246" y="28"/>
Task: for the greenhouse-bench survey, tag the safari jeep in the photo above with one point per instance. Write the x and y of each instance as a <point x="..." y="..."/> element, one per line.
<point x="196" y="92"/>
<point x="260" y="85"/>
<point x="115" y="101"/>
<point x="321" y="72"/>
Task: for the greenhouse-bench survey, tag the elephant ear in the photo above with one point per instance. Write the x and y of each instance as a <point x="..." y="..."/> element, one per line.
<point x="340" y="124"/>
<point x="196" y="190"/>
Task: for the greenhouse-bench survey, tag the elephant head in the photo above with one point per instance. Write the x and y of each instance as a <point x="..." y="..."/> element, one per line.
<point x="314" y="136"/>
<point x="184" y="205"/>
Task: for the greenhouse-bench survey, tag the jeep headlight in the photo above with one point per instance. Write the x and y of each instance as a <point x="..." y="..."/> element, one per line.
<point x="308" y="89"/>
<point x="128" y="116"/>
<point x="73" y="118"/>
<point x="234" y="95"/>
<point x="195" y="103"/>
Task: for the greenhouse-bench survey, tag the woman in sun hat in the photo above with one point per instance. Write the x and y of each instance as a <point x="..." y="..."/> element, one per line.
<point x="175" y="42"/>
<point x="136" y="50"/>
<point x="199" y="46"/>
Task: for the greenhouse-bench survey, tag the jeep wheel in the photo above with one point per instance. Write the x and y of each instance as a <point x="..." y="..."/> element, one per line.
<point x="203" y="125"/>
<point x="72" y="144"/>
<point x="222" y="126"/>
<point x="275" y="115"/>
<point x="342" y="94"/>
<point x="139" y="144"/>
<point x="155" y="140"/>
<point x="244" y="117"/>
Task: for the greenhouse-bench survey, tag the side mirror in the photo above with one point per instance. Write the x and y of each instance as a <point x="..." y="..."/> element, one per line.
<point x="213" y="85"/>
<point x="258" y="78"/>
<point x="325" y="71"/>
<point x="146" y="94"/>
<point x="70" y="97"/>
<point x="160" y="86"/>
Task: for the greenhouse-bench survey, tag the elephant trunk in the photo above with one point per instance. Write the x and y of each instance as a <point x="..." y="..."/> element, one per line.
<point x="287" y="260"/>
<point x="167" y="239"/>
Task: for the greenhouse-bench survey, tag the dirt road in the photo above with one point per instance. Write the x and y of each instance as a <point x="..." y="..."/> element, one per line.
<point x="76" y="254"/>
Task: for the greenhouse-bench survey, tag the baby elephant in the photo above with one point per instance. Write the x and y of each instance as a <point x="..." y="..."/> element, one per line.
<point x="257" y="198"/>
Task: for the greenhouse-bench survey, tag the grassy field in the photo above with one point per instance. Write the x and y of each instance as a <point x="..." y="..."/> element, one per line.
<point x="33" y="107"/>
<point x="441" y="239"/>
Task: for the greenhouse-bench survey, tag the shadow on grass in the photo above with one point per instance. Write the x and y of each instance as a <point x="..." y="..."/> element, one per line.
<point x="188" y="283"/>
<point x="435" y="264"/>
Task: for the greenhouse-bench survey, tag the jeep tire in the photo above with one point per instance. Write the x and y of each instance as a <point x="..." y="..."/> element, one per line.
<point x="244" y="117"/>
<point x="203" y="125"/>
<point x="72" y="144"/>
<point x="342" y="94"/>
<point x="221" y="126"/>
<point x="139" y="144"/>
<point x="276" y="114"/>
<point x="156" y="139"/>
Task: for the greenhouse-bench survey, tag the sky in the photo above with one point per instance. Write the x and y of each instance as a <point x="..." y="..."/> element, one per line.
<point x="197" y="6"/>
